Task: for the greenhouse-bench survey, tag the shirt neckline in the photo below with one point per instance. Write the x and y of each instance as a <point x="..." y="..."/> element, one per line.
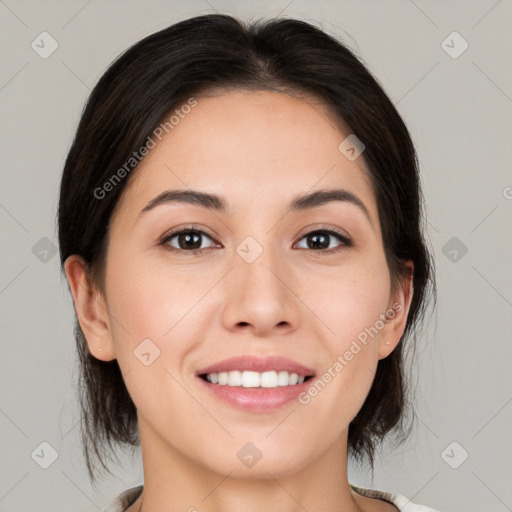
<point x="129" y="496"/>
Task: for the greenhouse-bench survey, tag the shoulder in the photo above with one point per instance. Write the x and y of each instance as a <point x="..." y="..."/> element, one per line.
<point x="124" y="500"/>
<point x="401" y="502"/>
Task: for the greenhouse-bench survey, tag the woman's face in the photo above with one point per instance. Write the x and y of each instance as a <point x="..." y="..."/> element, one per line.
<point x="263" y="281"/>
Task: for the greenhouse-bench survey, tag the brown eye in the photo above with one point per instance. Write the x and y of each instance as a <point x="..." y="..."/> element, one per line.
<point x="187" y="240"/>
<point x="325" y="240"/>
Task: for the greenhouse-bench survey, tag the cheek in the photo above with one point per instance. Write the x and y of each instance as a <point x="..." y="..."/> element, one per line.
<point x="146" y="299"/>
<point x="157" y="303"/>
<point x="348" y="299"/>
<point x="153" y="331"/>
<point x="350" y="303"/>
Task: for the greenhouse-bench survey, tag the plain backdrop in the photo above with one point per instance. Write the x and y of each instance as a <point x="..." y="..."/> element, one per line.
<point x="447" y="67"/>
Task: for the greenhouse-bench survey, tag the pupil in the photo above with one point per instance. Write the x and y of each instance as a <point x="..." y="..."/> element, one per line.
<point x="315" y="241"/>
<point x="189" y="242"/>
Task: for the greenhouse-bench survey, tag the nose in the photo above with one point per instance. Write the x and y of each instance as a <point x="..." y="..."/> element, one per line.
<point x="260" y="297"/>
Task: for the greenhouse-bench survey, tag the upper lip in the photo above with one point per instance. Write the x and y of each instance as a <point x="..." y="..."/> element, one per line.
<point x="258" y="364"/>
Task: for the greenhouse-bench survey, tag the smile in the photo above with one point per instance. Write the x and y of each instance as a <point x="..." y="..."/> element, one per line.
<point x="250" y="379"/>
<point x="254" y="383"/>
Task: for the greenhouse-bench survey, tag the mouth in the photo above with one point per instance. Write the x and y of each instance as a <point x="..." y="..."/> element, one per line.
<point x="256" y="384"/>
<point x="250" y="379"/>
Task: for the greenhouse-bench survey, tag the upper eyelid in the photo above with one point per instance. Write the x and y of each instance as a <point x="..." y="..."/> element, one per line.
<point x="186" y="229"/>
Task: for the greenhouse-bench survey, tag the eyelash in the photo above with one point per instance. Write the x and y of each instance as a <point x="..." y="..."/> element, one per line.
<point x="345" y="241"/>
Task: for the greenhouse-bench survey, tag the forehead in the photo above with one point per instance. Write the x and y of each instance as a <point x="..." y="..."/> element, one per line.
<point x="253" y="148"/>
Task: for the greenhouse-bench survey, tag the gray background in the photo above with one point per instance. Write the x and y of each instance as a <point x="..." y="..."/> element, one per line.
<point x="459" y="114"/>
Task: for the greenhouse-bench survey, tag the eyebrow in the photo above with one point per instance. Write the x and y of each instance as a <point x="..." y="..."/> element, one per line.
<point x="217" y="203"/>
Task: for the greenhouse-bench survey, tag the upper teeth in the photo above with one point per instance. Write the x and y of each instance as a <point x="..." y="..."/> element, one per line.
<point x="249" y="379"/>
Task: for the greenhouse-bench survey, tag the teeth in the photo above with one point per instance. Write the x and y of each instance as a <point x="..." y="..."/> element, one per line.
<point x="234" y="378"/>
<point x="268" y="380"/>
<point x="282" y="379"/>
<point x="248" y="379"/>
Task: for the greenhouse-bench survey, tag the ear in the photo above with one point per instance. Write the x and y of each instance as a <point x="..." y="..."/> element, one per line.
<point x="396" y="314"/>
<point x="91" y="311"/>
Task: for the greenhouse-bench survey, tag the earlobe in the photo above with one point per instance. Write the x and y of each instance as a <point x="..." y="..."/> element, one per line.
<point x="397" y="312"/>
<point x="90" y="309"/>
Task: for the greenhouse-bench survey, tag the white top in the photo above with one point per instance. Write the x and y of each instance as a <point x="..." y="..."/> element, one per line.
<point x="125" y="499"/>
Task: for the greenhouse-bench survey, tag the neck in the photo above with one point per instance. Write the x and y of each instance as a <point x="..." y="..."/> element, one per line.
<point x="173" y="482"/>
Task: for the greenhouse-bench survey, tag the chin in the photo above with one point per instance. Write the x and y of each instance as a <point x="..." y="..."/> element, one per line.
<point x="252" y="461"/>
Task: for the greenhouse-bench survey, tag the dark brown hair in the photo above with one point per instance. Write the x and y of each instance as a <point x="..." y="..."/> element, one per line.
<point x="142" y="87"/>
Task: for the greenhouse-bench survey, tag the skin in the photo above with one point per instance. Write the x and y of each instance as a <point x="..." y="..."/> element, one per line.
<point x="257" y="150"/>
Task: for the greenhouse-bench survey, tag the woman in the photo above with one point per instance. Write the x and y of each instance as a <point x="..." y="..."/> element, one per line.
<point x="240" y="227"/>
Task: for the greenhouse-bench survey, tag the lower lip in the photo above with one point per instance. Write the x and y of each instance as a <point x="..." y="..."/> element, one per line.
<point x="256" y="399"/>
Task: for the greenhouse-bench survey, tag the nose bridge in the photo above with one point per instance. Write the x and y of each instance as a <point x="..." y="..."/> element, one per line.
<point x="256" y="266"/>
<point x="257" y="293"/>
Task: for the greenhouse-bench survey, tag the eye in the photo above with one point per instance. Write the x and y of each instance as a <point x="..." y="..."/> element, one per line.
<point x="193" y="240"/>
<point x="324" y="240"/>
<point x="190" y="240"/>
